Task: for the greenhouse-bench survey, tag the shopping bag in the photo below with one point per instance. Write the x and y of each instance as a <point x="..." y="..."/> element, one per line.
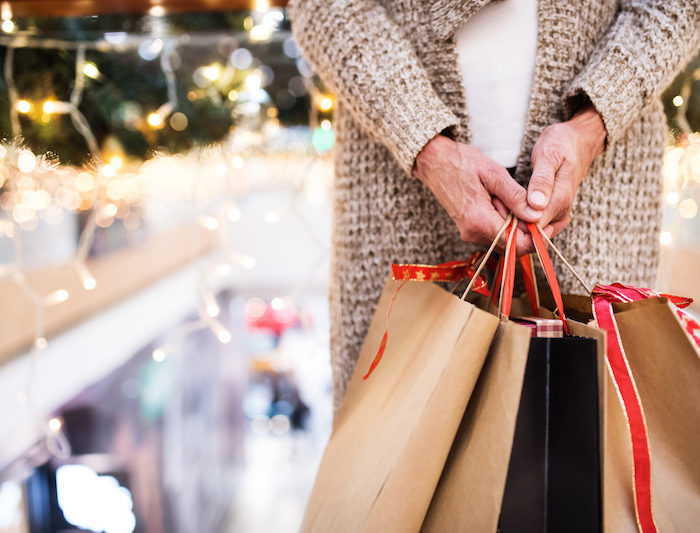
<point x="651" y="423"/>
<point x="553" y="468"/>
<point x="652" y="446"/>
<point x="393" y="431"/>
<point x="553" y="479"/>
<point x="469" y="494"/>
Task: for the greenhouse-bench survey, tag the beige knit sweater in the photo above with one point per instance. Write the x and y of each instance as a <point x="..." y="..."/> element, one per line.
<point x="392" y="64"/>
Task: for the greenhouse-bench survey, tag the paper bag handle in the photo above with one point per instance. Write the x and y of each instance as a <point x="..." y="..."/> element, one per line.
<point x="487" y="255"/>
<point x="546" y="262"/>
<point x="508" y="277"/>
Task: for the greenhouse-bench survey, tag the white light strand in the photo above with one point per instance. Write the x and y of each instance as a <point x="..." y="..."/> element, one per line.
<point x="55" y="439"/>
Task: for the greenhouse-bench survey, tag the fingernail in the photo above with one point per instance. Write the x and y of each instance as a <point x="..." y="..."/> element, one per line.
<point x="532" y="213"/>
<point x="537" y="198"/>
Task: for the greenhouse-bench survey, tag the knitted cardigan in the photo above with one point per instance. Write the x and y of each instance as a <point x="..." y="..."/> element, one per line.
<point x="392" y="65"/>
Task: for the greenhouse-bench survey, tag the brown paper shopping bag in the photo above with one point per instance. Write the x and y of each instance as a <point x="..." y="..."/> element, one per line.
<point x="468" y="497"/>
<point x="553" y="476"/>
<point x="651" y="423"/>
<point x="393" y="432"/>
<point x="661" y="346"/>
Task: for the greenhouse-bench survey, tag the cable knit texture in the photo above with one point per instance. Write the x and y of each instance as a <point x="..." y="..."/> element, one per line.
<point x="392" y="64"/>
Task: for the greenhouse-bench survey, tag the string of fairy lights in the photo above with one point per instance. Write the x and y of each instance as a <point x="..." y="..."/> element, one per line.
<point x="681" y="169"/>
<point x="94" y="189"/>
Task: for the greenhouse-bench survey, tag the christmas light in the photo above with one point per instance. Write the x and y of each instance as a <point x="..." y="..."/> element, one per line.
<point x="23" y="106"/>
<point x="688" y="208"/>
<point x="211" y="305"/>
<point x="116" y="162"/>
<point x="237" y="161"/>
<point x="260" y="33"/>
<point x="665" y="237"/>
<point x="91" y="71"/>
<point x="178" y="121"/>
<point x="262" y="6"/>
<point x="678" y="100"/>
<point x="253" y="82"/>
<point x="159" y="355"/>
<point x="245" y="261"/>
<point x="8" y="26"/>
<point x="88" y="281"/>
<point x="155" y="120"/>
<point x="26" y="161"/>
<point x="157" y="11"/>
<point x="212" y="72"/>
<point x="109" y="171"/>
<point x="234" y="213"/>
<point x="223" y="336"/>
<point x="220" y="331"/>
<point x="58" y="296"/>
<point x="326" y="125"/>
<point x="40" y="343"/>
<point x="84" y="182"/>
<point x="150" y="49"/>
<point x="5" y="11"/>
<point x="672" y="198"/>
<point x="55" y="424"/>
<point x="210" y="223"/>
<point x="326" y="104"/>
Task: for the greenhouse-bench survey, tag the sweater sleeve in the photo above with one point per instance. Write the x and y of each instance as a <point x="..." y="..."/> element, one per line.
<point x="364" y="57"/>
<point x="648" y="42"/>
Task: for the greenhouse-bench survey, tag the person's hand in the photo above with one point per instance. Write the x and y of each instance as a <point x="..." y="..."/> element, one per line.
<point x="560" y="159"/>
<point x="468" y="184"/>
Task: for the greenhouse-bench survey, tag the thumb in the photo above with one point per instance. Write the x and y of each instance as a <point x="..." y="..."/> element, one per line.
<point x="539" y="190"/>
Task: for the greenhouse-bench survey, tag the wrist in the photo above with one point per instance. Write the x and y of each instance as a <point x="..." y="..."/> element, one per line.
<point x="591" y="128"/>
<point x="432" y="152"/>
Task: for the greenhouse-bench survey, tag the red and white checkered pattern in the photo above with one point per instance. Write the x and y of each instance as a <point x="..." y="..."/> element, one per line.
<point x="542" y="327"/>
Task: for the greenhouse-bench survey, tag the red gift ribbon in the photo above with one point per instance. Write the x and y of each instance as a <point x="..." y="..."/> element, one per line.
<point x="603" y="298"/>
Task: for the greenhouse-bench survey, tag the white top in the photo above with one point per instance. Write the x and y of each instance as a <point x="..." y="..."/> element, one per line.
<point x="496" y="54"/>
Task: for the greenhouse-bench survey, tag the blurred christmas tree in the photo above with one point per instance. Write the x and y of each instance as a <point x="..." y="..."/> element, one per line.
<point x="222" y="69"/>
<point x="682" y="100"/>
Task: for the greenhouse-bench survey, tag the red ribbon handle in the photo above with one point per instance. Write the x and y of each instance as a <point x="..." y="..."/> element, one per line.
<point x="533" y="295"/>
<point x="548" y="268"/>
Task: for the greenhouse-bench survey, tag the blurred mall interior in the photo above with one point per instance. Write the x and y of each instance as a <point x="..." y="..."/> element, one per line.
<point x="164" y="245"/>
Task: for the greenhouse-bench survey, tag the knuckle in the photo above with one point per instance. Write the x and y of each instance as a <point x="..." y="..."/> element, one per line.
<point x="518" y="195"/>
<point x="466" y="233"/>
<point x="542" y="178"/>
<point x="553" y="152"/>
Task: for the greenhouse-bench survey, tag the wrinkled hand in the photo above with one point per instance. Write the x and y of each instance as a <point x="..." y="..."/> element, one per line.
<point x="560" y="160"/>
<point x="467" y="184"/>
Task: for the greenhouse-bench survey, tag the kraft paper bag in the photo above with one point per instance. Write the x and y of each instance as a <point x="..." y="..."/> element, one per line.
<point x="393" y="432"/>
<point x="470" y="494"/>
<point x="468" y="497"/>
<point x="665" y="363"/>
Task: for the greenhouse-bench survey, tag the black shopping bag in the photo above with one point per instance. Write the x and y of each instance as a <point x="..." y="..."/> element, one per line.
<point x="553" y="482"/>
